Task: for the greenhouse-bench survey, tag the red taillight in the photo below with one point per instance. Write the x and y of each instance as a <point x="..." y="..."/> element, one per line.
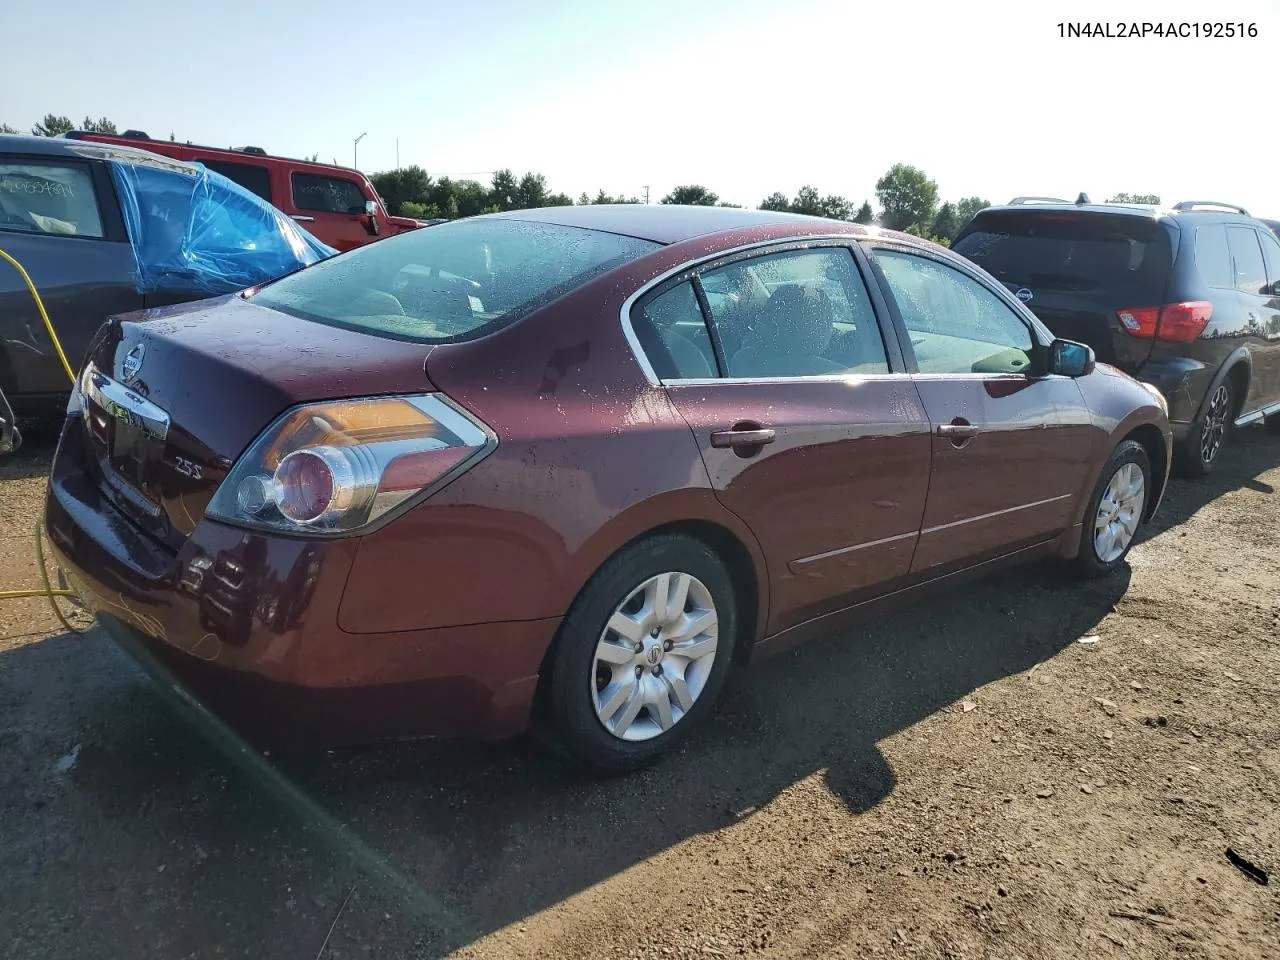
<point x="1178" y="322"/>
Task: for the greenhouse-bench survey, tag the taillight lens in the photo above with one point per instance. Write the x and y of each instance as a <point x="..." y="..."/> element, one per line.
<point x="336" y="467"/>
<point x="1178" y="322"/>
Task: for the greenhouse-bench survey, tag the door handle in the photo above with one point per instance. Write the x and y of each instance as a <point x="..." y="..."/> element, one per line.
<point x="736" y="437"/>
<point x="958" y="431"/>
<point x="301" y="219"/>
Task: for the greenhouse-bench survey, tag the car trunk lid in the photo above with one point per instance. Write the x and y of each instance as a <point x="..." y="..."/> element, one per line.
<point x="171" y="397"/>
<point x="1076" y="270"/>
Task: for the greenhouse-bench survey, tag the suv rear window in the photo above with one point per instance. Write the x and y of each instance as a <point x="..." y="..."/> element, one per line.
<point x="453" y="282"/>
<point x="254" y="178"/>
<point x="1071" y="252"/>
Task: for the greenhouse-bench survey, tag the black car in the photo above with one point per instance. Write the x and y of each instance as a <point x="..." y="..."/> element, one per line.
<point x="1187" y="299"/>
<point x="105" y="229"/>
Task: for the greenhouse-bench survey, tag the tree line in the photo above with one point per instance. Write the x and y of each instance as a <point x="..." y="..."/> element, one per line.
<point x="908" y="197"/>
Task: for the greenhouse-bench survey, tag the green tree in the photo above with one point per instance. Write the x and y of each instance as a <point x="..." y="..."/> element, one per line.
<point x="504" y="189"/>
<point x="558" y="200"/>
<point x="531" y="192"/>
<point x="101" y="125"/>
<point x="776" y="201"/>
<point x="602" y="197"/>
<point x="407" y="185"/>
<point x="865" y="214"/>
<point x="907" y="197"/>
<point x="808" y="201"/>
<point x="836" y="207"/>
<point x="967" y="208"/>
<point x="5" y="128"/>
<point x="692" y="194"/>
<point x="944" y="224"/>
<point x="470" y="199"/>
<point x="419" y="211"/>
<point x="1151" y="198"/>
<point x="51" y="126"/>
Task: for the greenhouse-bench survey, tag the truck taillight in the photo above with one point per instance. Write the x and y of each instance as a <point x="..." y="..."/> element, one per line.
<point x="1176" y="322"/>
<point x="338" y="467"/>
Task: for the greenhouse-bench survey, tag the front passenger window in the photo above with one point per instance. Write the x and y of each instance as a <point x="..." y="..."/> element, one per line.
<point x="956" y="324"/>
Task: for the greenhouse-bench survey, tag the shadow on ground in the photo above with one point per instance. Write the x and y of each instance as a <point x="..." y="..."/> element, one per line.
<point x="157" y="840"/>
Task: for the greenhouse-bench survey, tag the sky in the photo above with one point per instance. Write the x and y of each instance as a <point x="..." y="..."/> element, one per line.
<point x="744" y="96"/>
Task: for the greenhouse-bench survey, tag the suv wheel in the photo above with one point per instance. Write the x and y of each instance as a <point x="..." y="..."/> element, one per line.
<point x="642" y="654"/>
<point x="1198" y="455"/>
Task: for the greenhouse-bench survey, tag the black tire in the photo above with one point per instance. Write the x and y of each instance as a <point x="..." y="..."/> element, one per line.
<point x="569" y="702"/>
<point x="1088" y="564"/>
<point x="1273" y="424"/>
<point x="1199" y="453"/>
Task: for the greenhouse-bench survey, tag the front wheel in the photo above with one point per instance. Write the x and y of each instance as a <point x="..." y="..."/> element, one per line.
<point x="642" y="654"/>
<point x="1115" y="510"/>
<point x="1198" y="454"/>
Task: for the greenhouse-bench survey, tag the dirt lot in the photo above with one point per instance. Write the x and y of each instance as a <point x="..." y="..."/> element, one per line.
<point x="964" y="779"/>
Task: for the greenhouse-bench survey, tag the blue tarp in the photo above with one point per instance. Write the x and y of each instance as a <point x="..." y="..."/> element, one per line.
<point x="195" y="230"/>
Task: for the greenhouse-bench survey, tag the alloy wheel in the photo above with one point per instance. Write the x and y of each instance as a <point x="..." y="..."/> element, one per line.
<point x="1215" y="424"/>
<point x="654" y="656"/>
<point x="1119" y="512"/>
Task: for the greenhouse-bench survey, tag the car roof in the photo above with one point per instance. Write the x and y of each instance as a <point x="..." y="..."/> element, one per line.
<point x="669" y="223"/>
<point x="59" y="147"/>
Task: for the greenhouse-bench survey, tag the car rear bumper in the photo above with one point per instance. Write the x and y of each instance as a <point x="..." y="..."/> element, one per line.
<point x="1184" y="382"/>
<point x="248" y="624"/>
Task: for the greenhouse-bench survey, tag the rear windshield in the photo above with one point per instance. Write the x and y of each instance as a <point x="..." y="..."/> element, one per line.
<point x="451" y="282"/>
<point x="1070" y="252"/>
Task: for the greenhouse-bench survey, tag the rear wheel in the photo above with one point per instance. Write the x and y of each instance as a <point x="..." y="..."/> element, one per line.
<point x="1198" y="454"/>
<point x="1115" y="510"/>
<point x="642" y="654"/>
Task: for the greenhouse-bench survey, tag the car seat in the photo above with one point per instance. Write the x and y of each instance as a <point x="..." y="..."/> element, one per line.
<point x="788" y="339"/>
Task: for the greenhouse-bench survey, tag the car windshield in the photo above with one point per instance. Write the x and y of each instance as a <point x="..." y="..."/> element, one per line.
<point x="1069" y="252"/>
<point x="451" y="282"/>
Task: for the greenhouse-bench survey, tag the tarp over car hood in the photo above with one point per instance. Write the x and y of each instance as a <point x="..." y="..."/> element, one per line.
<point x="194" y="230"/>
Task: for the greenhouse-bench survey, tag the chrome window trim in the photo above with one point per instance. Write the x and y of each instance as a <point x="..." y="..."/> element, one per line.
<point x="798" y="242"/>
<point x="850" y="378"/>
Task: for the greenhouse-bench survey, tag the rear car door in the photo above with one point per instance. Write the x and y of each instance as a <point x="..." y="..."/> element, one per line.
<point x="59" y="218"/>
<point x="810" y="429"/>
<point x="331" y="207"/>
<point x="1262" y="304"/>
<point x="1011" y="446"/>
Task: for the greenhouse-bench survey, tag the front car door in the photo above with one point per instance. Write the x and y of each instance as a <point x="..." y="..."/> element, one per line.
<point x="809" y="426"/>
<point x="60" y="220"/>
<point x="1011" y="446"/>
<point x="332" y="208"/>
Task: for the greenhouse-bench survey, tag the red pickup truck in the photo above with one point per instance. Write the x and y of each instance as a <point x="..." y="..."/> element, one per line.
<point x="336" y="204"/>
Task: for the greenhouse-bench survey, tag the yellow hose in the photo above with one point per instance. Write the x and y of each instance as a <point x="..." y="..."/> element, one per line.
<point x="44" y="315"/>
<point x="48" y="590"/>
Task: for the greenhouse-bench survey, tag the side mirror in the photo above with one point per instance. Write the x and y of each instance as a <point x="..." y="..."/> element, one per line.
<point x="1070" y="359"/>
<point x="371" y="211"/>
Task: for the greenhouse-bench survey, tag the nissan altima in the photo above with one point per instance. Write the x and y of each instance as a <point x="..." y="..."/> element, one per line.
<point x="570" y="466"/>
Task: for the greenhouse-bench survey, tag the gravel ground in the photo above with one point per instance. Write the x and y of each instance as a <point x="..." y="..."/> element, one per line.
<point x="968" y="778"/>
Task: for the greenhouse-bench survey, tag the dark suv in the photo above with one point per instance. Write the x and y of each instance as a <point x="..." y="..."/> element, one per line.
<point x="1187" y="299"/>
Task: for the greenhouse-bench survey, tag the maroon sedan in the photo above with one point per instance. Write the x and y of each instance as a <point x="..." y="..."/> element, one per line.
<point x="574" y="463"/>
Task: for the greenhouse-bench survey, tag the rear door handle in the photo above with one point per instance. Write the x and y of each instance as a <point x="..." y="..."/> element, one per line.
<point x="742" y="438"/>
<point x="301" y="219"/>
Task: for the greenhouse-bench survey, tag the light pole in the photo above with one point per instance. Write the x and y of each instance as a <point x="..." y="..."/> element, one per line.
<point x="355" y="151"/>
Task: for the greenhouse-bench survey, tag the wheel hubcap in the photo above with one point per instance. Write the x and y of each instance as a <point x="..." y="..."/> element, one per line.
<point x="654" y="656"/>
<point x="1215" y="425"/>
<point x="1119" y="511"/>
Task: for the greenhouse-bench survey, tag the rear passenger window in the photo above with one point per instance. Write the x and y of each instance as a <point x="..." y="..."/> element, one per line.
<point x="1250" y="273"/>
<point x="252" y="177"/>
<point x="801" y="313"/>
<point x="326" y="194"/>
<point x="1213" y="257"/>
<point x="55" y="198"/>
<point x="674" y="336"/>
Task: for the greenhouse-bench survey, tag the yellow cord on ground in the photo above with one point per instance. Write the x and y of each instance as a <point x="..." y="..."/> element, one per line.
<point x="48" y="590"/>
<point x="44" y="315"/>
